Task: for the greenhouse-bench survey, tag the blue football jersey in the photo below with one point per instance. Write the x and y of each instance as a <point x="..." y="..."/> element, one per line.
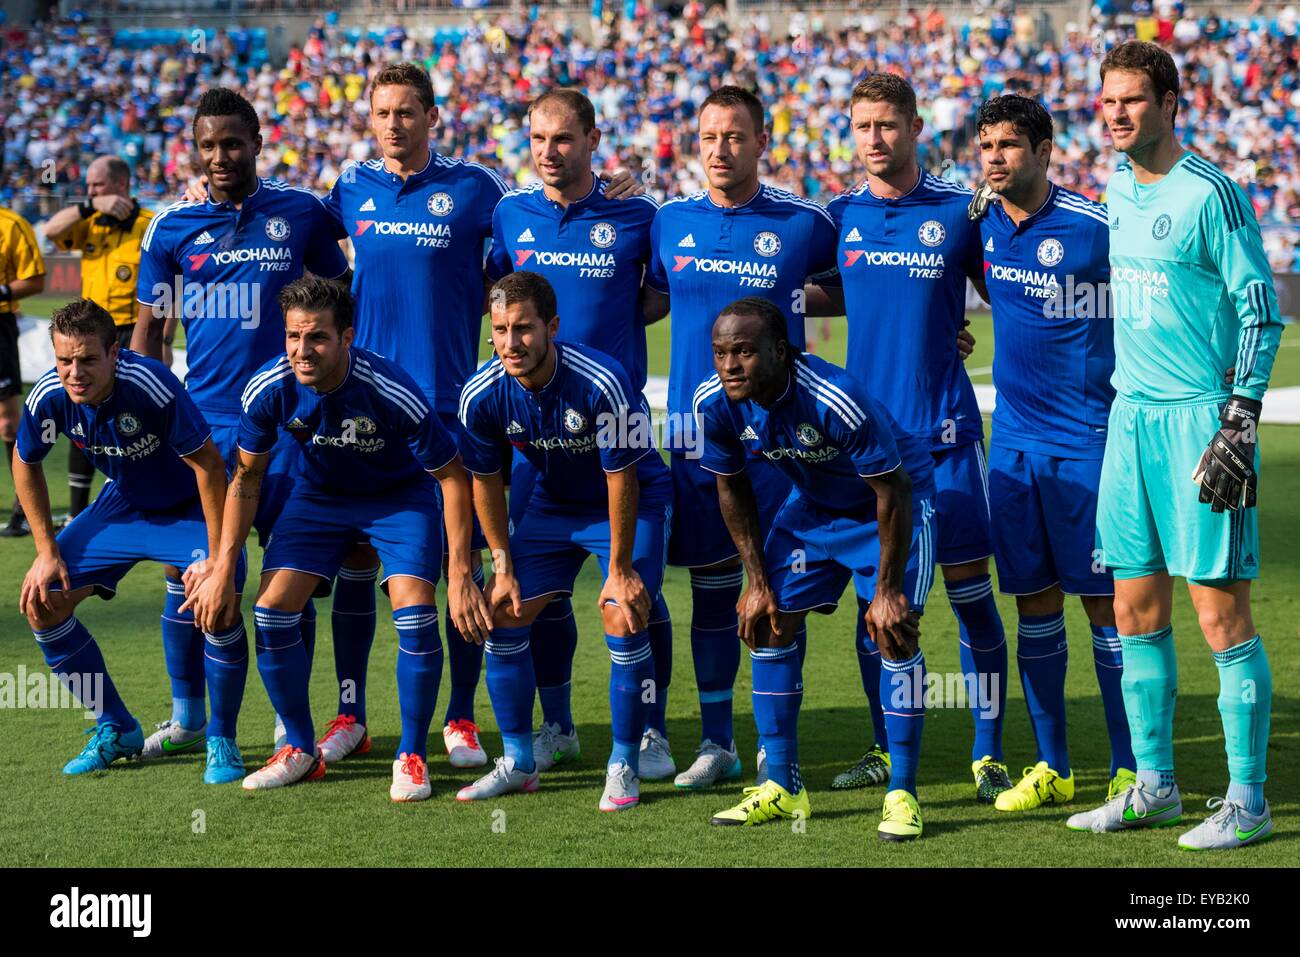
<point x="136" y="436"/>
<point x="594" y="253"/>
<point x="707" y="256"/>
<point x="585" y="422"/>
<point x="418" y="265"/>
<point x="221" y="270"/>
<point x="1048" y="282"/>
<point x="904" y="264"/>
<point x="824" y="432"/>
<point x="374" y="432"/>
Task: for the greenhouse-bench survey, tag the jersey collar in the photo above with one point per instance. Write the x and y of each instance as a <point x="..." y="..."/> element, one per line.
<point x="1033" y="217"/>
<point x="342" y="382"/>
<point x="920" y="178"/>
<point x="731" y="209"/>
<point x="227" y="204"/>
<point x="416" y="177"/>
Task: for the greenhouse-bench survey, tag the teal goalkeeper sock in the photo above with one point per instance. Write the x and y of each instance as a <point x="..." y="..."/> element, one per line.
<point x="1150" y="685"/>
<point x="1245" y="703"/>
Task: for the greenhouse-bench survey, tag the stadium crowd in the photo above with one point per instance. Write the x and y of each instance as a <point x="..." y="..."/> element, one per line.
<point x="70" y="92"/>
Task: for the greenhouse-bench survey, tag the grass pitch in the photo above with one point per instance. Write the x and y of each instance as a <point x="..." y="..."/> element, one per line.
<point x="161" y="814"/>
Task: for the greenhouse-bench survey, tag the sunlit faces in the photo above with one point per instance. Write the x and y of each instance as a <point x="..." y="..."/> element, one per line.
<point x="884" y="136"/>
<point x="85" y="367"/>
<point x="400" y="122"/>
<point x="317" y="351"/>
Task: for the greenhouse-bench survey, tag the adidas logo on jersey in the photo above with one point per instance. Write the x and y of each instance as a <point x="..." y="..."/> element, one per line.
<point x="526" y="236"/>
<point x="514" y="428"/>
<point x="688" y="242"/>
<point x="749" y="435"/>
<point x="205" y="237"/>
<point x="78" y="431"/>
<point x="368" y="206"/>
<point x="988" y="246"/>
<point x="854" y="236"/>
<point x="296" y="423"/>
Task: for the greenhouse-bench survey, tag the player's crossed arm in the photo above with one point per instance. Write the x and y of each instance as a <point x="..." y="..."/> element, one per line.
<point x="210" y="590"/>
<point x="502" y="589"/>
<point x="48" y="567"/>
<point x="465" y="603"/>
<point x="892" y="624"/>
<point x="758" y="601"/>
<point x="623" y="586"/>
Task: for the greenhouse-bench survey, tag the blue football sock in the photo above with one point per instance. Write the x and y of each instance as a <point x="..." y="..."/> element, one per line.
<point x="225" y="661"/>
<point x="1042" y="654"/>
<point x="869" y="668"/>
<point x="512" y="687"/>
<point x="631" y="670"/>
<point x="419" y="672"/>
<point x="661" y="651"/>
<point x="984" y="655"/>
<point x="353" y="621"/>
<point x="77" y="662"/>
<point x="1245" y="704"/>
<point x="1150" y="685"/>
<point x="466" y="661"/>
<point x="183" y="653"/>
<point x="286" y="672"/>
<point x="1108" y="662"/>
<point x="715" y="648"/>
<point x="554" y="641"/>
<point x="307" y="628"/>
<point x="902" y="695"/>
<point x="778" y="693"/>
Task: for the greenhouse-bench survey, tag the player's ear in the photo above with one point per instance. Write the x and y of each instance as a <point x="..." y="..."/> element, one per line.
<point x="433" y="116"/>
<point x="918" y="124"/>
<point x="257" y="144"/>
<point x="553" y="327"/>
<point x="348" y="335"/>
<point x="594" y="138"/>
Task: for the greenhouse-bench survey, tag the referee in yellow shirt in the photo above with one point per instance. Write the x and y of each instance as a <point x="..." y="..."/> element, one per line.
<point x="22" y="274"/>
<point x="107" y="229"/>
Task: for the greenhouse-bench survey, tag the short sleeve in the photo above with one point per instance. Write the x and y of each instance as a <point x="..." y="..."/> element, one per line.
<point x="39" y="428"/>
<point x="972" y="252"/>
<point x="157" y="268"/>
<point x="75" y="238"/>
<point x="431" y="444"/>
<point x="498" y="261"/>
<point x="482" y="441"/>
<point x="656" y="276"/>
<point x="186" y="429"/>
<point x="491" y="189"/>
<point x="823" y="265"/>
<point x="722" y="452"/>
<point x="858" y="429"/>
<point x="323" y="255"/>
<point x="24" y="252"/>
<point x="333" y="203"/>
<point x="617" y="411"/>
<point x="258" y="423"/>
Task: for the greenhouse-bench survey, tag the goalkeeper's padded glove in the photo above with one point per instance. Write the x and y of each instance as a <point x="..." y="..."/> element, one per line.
<point x="979" y="204"/>
<point x="1226" y="472"/>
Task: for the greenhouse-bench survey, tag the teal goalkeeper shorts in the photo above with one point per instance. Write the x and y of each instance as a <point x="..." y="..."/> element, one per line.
<point x="1149" y="517"/>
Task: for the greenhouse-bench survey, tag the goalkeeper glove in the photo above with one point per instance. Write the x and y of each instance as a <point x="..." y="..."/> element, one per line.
<point x="1226" y="472"/>
<point x="979" y="203"/>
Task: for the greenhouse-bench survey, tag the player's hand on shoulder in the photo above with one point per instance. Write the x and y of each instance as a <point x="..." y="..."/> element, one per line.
<point x="628" y="592"/>
<point x="35" y="595"/>
<point x="979" y="203"/>
<point x="468" y="608"/>
<point x="621" y="184"/>
<point x="892" y="624"/>
<point x="757" y="602"/>
<point x="197" y="191"/>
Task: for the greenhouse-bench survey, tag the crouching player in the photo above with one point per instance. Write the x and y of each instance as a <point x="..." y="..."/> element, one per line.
<point x="860" y="508"/>
<point x="370" y="443"/>
<point x="135" y="423"/>
<point x="601" y="489"/>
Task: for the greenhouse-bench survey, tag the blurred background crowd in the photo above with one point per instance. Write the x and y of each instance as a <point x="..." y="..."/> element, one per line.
<point x="69" y="92"/>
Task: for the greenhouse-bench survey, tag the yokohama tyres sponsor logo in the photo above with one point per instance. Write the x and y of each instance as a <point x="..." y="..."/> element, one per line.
<point x="736" y="267"/>
<point x="383" y="227"/>
<point x="256" y="255"/>
<point x="1029" y="277"/>
<point x="551" y="257"/>
<point x="880" y="257"/>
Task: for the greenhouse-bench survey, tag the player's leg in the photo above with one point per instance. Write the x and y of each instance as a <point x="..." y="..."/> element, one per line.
<point x="419" y="672"/>
<point x="873" y="767"/>
<point x="352" y="620"/>
<point x="656" y="753"/>
<point x="81" y="476"/>
<point x="964" y="545"/>
<point x="1108" y="663"/>
<point x="186" y="729"/>
<point x="1243" y="816"/>
<point x="74" y="657"/>
<point x="11" y="392"/>
<point x="285" y="669"/>
<point x="225" y="660"/>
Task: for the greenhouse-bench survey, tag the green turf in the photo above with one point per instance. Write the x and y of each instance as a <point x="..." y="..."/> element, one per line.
<point x="148" y="815"/>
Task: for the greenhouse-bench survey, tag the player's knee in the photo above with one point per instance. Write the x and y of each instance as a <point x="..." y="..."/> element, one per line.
<point x="43" y="619"/>
<point x="1049" y="601"/>
<point x="615" y="624"/>
<point x="1100" y="610"/>
<point x="1223" y="627"/>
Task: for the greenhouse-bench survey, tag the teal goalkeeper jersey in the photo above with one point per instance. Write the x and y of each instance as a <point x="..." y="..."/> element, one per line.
<point x="1191" y="287"/>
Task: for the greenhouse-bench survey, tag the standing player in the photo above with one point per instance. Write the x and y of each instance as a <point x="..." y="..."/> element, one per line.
<point x="587" y="433"/>
<point x="860" y="510"/>
<point x="593" y="251"/>
<point x="1047" y="269"/>
<point x="107" y="230"/>
<point x="908" y="250"/>
<point x="218" y="265"/>
<point x="22" y="274"/>
<point x="1196" y="330"/>
<point x="370" y="443"/>
<point x="736" y="238"/>
<point x="162" y="503"/>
